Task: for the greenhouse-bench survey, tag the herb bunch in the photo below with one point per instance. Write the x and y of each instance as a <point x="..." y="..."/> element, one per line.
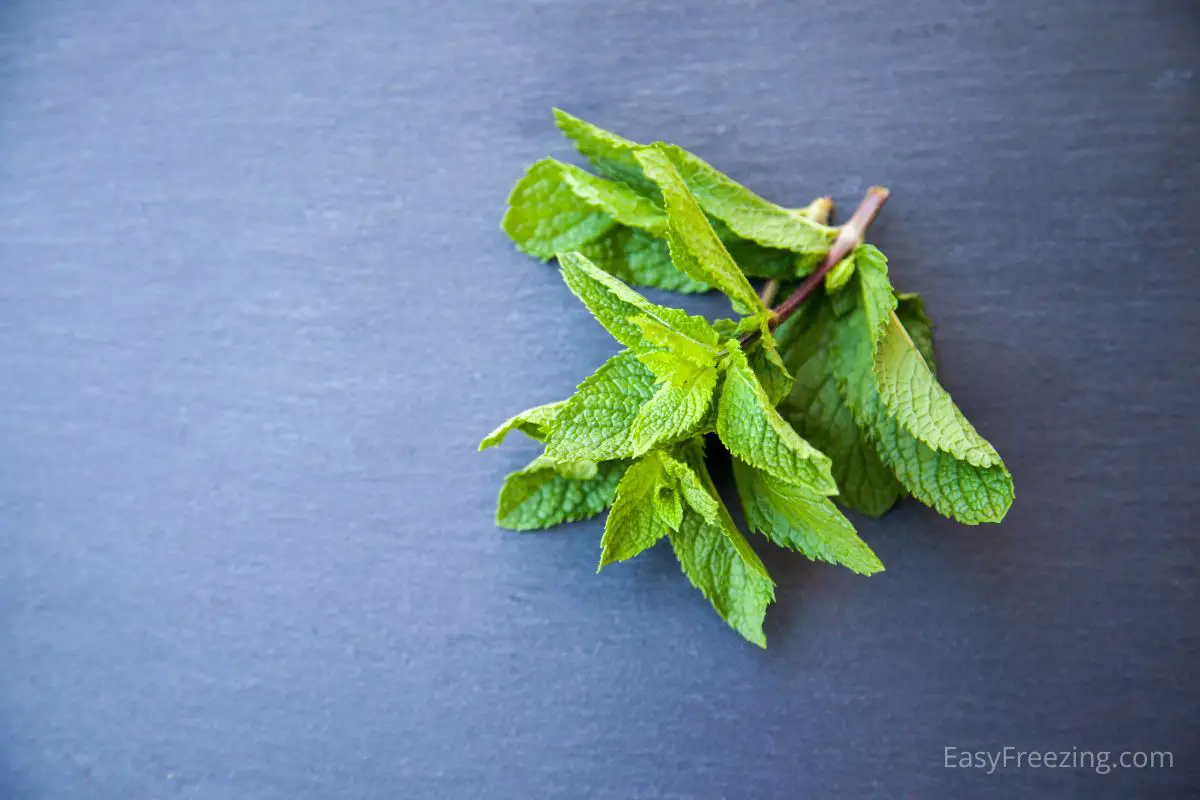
<point x="832" y="394"/>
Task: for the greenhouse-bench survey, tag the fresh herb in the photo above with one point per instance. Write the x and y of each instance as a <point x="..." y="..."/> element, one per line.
<point x="831" y="395"/>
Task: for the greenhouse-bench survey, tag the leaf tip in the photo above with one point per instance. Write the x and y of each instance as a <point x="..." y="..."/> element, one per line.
<point x="871" y="566"/>
<point x="492" y="439"/>
<point x="606" y="557"/>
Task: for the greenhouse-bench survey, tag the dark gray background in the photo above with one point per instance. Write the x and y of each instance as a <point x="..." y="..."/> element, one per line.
<point x="257" y="312"/>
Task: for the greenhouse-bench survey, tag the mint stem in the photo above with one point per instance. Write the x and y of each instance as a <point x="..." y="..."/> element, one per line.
<point x="818" y="211"/>
<point x="850" y="236"/>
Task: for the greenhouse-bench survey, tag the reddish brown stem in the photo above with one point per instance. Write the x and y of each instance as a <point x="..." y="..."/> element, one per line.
<point x="849" y="236"/>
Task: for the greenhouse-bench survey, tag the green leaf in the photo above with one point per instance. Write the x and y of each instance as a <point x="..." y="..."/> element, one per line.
<point x="692" y="487"/>
<point x="668" y="507"/>
<point x="870" y="293"/>
<point x="799" y="519"/>
<point x="617" y="307"/>
<point x="726" y="328"/>
<point x="545" y="216"/>
<point x="695" y="248"/>
<point x="910" y="309"/>
<point x="545" y="207"/>
<point x="576" y="470"/>
<point x="646" y="508"/>
<point x="763" y="358"/>
<point x="965" y="492"/>
<point x="669" y="367"/>
<point x="751" y="428"/>
<point x="610" y="154"/>
<point x="819" y="413"/>
<point x="558" y="207"/>
<point x="757" y="261"/>
<point x="928" y="447"/>
<point x="539" y="496"/>
<point x="595" y="424"/>
<point x="638" y="258"/>
<point x="692" y="338"/>
<point x="919" y="403"/>
<point x="625" y="205"/>
<point x="650" y="503"/>
<point x="545" y="202"/>
<point x="534" y="423"/>
<point x="748" y="215"/>
<point x="675" y="412"/>
<point x="839" y="276"/>
<point x="720" y="563"/>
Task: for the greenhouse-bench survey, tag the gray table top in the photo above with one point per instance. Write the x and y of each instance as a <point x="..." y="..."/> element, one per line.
<point x="258" y="312"/>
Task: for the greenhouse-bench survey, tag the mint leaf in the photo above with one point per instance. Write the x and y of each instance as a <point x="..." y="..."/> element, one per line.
<point x="797" y="518"/>
<point x="650" y="503"/>
<point x="558" y="207"/>
<point x="861" y="309"/>
<point x="669" y="367"/>
<point x="595" y="424"/>
<point x="534" y="423"/>
<point x="545" y="216"/>
<point x="625" y="205"/>
<point x="646" y="508"/>
<point x="692" y="487"/>
<point x="638" y="258"/>
<point x="769" y="368"/>
<point x="757" y="261"/>
<point x="752" y="429"/>
<point x="695" y="248"/>
<point x="956" y="489"/>
<point x="748" y="215"/>
<point x="691" y="338"/>
<point x="676" y="410"/>
<point x="819" y="413"/>
<point x="539" y="496"/>
<point x="839" y="276"/>
<point x="910" y="309"/>
<point x="741" y="210"/>
<point x="543" y="206"/>
<point x="870" y="293"/>
<point x="617" y="307"/>
<point x="719" y="562"/>
<point x="917" y="401"/>
<point x="684" y="359"/>
<point x="930" y="451"/>
<point x="610" y="154"/>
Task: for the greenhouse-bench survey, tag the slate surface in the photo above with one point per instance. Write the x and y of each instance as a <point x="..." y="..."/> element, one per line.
<point x="256" y="313"/>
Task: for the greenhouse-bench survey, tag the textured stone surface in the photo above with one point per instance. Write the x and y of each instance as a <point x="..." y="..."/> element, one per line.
<point x="248" y="548"/>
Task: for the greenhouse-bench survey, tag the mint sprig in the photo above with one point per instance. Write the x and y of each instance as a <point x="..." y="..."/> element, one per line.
<point x="830" y="398"/>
